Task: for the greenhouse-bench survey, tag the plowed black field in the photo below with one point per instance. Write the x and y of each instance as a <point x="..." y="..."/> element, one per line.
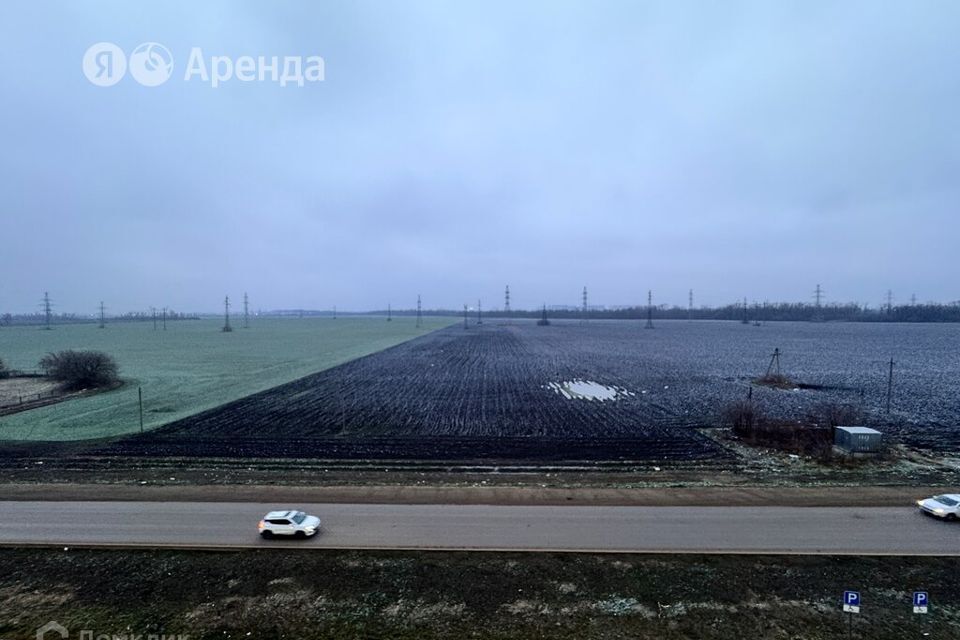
<point x="486" y="393"/>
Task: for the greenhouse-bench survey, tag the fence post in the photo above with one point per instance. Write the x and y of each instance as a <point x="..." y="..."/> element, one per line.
<point x="890" y="385"/>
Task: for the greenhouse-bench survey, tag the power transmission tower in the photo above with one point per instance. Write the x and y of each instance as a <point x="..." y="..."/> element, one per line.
<point x="818" y="304"/>
<point x="102" y="315"/>
<point x="419" y="313"/>
<point x="226" y="315"/>
<point x="745" y="319"/>
<point x="47" y="310"/>
<point x="506" y="303"/>
<point x="334" y="312"/>
<point x="479" y="312"/>
<point x="913" y="299"/>
<point x="584" y="318"/>
<point x="464" y="316"/>
<point x="164" y="318"/>
<point x="889" y="301"/>
<point x="690" y="305"/>
<point x="649" y="324"/>
<point x="543" y="322"/>
<point x="246" y="311"/>
<point x="153" y="313"/>
<point x="389" y="313"/>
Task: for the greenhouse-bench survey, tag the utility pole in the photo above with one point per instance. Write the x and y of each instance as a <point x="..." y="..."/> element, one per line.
<point x="334" y="312"/>
<point x="226" y="315"/>
<point x="419" y="313"/>
<point x="102" y="315"/>
<point x="47" y="310"/>
<point x="153" y="312"/>
<point x="583" y="319"/>
<point x="774" y="366"/>
<point x="246" y="311"/>
<point x="389" y="313"/>
<point x="890" y="385"/>
<point x="690" y="305"/>
<point x="164" y="318"/>
<point x="140" y="402"/>
<point x="465" y="316"/>
<point x="649" y="324"/>
<point x="479" y="312"/>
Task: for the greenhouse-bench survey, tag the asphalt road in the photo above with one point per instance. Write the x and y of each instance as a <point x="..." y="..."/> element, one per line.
<point x="828" y="530"/>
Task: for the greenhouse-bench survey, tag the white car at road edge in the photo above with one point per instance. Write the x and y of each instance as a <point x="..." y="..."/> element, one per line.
<point x="289" y="523"/>
<point x="946" y="506"/>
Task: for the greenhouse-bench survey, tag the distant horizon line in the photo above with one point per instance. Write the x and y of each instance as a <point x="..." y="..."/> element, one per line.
<point x="294" y="311"/>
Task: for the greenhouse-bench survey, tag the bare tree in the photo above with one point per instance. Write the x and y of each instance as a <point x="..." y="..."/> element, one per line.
<point x="81" y="369"/>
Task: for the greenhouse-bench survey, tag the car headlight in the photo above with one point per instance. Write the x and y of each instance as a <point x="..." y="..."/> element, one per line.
<point x="938" y="510"/>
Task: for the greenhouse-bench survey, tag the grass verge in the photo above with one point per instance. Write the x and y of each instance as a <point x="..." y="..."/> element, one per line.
<point x="479" y="595"/>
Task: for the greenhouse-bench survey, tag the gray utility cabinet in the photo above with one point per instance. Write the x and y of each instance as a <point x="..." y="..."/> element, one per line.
<point x="858" y="439"/>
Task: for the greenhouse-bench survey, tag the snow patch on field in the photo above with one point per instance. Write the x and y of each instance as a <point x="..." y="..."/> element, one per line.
<point x="588" y="390"/>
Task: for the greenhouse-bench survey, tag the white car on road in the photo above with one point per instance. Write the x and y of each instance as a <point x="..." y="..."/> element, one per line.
<point x="288" y="523"/>
<point x="946" y="506"/>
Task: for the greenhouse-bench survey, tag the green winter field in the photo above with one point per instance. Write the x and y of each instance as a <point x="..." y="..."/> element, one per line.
<point x="190" y="367"/>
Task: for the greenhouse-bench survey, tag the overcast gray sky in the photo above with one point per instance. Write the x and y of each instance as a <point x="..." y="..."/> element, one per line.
<point x="737" y="148"/>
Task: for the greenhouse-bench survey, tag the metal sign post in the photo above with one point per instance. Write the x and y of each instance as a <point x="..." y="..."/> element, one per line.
<point x="851" y="605"/>
<point x="921" y="602"/>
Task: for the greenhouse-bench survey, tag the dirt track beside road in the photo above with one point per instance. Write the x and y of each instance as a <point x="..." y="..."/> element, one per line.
<point x="679" y="496"/>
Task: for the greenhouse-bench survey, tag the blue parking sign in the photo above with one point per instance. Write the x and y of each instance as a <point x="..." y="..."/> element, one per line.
<point x="920" y="601"/>
<point x="851" y="601"/>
